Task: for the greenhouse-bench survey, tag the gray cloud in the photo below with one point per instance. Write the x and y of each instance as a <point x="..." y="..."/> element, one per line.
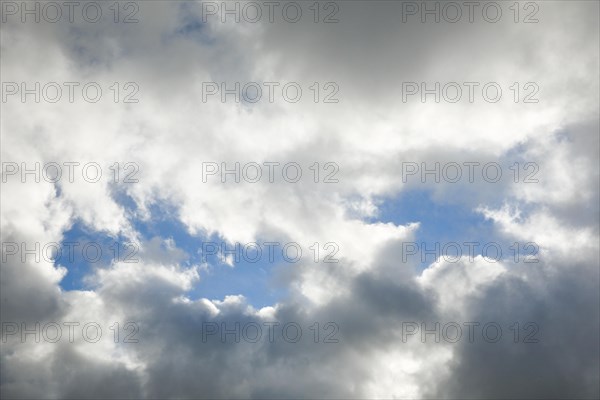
<point x="370" y="293"/>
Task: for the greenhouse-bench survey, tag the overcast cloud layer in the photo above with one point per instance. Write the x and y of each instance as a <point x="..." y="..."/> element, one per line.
<point x="374" y="295"/>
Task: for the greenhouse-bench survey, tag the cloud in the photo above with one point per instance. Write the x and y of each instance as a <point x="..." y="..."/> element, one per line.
<point x="368" y="299"/>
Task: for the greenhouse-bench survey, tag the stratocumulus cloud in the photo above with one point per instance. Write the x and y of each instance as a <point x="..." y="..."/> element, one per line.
<point x="345" y="199"/>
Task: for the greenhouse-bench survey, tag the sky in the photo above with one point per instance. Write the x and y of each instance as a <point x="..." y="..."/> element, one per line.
<point x="345" y="199"/>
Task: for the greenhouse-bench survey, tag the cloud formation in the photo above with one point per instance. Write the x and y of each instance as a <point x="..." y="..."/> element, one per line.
<point x="364" y="319"/>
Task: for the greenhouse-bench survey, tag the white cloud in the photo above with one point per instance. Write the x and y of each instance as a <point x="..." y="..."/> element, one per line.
<point x="171" y="132"/>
